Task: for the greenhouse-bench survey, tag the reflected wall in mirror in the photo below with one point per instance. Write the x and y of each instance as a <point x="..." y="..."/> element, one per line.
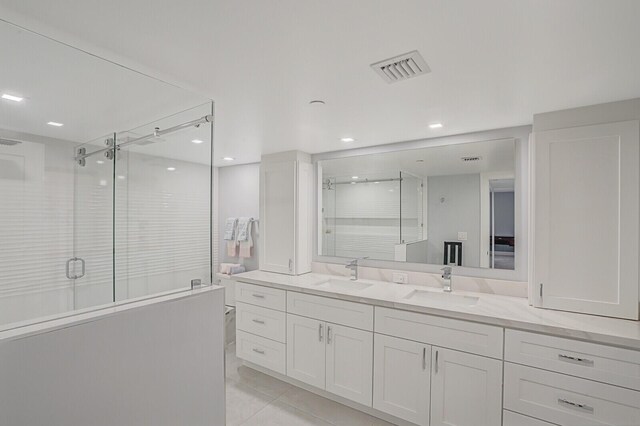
<point x="444" y="205"/>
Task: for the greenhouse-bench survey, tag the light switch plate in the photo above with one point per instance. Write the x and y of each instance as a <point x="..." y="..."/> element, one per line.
<point x="400" y="278"/>
<point x="462" y="236"/>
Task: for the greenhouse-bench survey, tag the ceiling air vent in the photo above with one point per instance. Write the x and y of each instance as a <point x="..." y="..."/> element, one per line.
<point x="9" y="142"/>
<point x="401" y="67"/>
<point x="469" y="159"/>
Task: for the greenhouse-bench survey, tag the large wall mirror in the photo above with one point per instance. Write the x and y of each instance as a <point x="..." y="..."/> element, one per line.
<point x="452" y="204"/>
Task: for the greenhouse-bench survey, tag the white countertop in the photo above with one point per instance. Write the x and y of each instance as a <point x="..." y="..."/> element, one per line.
<point x="504" y="311"/>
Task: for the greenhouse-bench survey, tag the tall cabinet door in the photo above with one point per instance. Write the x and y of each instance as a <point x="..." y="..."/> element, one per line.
<point x="306" y="350"/>
<point x="350" y="363"/>
<point x="466" y="390"/>
<point x="401" y="378"/>
<point x="586" y="219"/>
<point x="278" y="216"/>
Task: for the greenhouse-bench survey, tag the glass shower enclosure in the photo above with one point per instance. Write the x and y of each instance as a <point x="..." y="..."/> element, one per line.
<point x="105" y="182"/>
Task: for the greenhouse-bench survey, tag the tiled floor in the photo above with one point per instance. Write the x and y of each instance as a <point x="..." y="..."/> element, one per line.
<point x="253" y="398"/>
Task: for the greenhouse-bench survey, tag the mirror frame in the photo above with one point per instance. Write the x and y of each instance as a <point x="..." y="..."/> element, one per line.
<point x="519" y="134"/>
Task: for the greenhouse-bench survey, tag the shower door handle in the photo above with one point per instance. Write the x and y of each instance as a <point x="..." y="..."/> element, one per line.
<point x="68" y="268"/>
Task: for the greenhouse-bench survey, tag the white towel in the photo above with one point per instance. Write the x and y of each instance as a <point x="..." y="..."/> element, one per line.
<point x="247" y="243"/>
<point x="230" y="228"/>
<point x="243" y="226"/>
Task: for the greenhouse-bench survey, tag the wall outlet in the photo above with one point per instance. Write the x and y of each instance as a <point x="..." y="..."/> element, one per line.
<point x="400" y="278"/>
<point x="462" y="236"/>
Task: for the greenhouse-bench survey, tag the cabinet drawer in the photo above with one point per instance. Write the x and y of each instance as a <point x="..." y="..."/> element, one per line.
<point x="567" y="400"/>
<point x="267" y="297"/>
<point x="341" y="312"/>
<point x="510" y="418"/>
<point x="465" y="336"/>
<point x="589" y="360"/>
<point x="261" y="351"/>
<point x="261" y="321"/>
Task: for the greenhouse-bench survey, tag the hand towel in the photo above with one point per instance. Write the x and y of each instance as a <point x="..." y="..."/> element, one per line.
<point x="244" y="224"/>
<point x="230" y="228"/>
<point x="247" y="243"/>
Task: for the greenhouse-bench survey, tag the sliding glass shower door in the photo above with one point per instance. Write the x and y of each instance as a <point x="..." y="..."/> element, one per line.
<point x="90" y="268"/>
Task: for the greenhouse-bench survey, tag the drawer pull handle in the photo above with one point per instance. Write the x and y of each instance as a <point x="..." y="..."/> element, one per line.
<point x="329" y="335"/>
<point x="569" y="358"/>
<point x="258" y="351"/>
<point x="320" y="332"/>
<point x="257" y="321"/>
<point x="436" y="363"/>
<point x="258" y="296"/>
<point x="575" y="405"/>
<point x="424" y="358"/>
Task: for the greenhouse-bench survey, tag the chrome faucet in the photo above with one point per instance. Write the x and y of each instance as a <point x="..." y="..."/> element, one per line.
<point x="446" y="276"/>
<point x="353" y="265"/>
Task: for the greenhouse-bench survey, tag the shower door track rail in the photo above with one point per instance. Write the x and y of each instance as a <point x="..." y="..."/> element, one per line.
<point x="82" y="154"/>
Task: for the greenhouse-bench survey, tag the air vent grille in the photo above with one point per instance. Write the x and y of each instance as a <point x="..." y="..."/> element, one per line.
<point x="401" y="67"/>
<point x="471" y="158"/>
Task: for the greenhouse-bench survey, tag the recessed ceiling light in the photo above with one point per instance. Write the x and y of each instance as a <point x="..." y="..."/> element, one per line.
<point x="11" y="97"/>
<point x="435" y="126"/>
<point x="196" y="141"/>
<point x="376" y="182"/>
<point x="347" y="140"/>
<point x="353" y="183"/>
<point x="316" y="102"/>
<point x="100" y="162"/>
<point x="228" y="158"/>
<point x="53" y="123"/>
<point x="354" y="177"/>
<point x="171" y="169"/>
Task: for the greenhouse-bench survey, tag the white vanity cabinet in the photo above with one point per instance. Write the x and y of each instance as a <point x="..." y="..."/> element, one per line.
<point x="286" y="188"/>
<point x="461" y="388"/>
<point x="466" y="389"/>
<point x="402" y="378"/>
<point x="586" y="203"/>
<point x="320" y="352"/>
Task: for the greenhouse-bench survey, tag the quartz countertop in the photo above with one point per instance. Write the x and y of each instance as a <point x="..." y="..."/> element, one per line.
<point x="503" y="311"/>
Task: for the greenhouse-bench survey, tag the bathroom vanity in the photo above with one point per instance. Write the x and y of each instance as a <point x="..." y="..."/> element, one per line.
<point x="416" y="355"/>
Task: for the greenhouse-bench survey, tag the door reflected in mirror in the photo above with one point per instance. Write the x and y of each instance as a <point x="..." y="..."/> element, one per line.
<point x="444" y="205"/>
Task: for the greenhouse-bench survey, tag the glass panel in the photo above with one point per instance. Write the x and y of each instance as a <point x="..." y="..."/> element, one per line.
<point x="366" y="215"/>
<point x="329" y="217"/>
<point x="93" y="227"/>
<point x="163" y="207"/>
<point x="411" y="208"/>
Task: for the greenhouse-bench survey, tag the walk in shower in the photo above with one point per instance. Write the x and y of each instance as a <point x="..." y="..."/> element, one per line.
<point x="105" y="182"/>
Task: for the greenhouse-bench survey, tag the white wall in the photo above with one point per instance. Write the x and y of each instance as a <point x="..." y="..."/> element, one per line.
<point x="459" y="212"/>
<point x="158" y="364"/>
<point x="239" y="196"/>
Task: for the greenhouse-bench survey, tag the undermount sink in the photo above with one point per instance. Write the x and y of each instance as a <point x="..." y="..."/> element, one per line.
<point x="344" y="285"/>
<point x="441" y="298"/>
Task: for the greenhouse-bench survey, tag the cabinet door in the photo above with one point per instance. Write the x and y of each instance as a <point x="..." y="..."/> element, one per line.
<point x="306" y="350"/>
<point x="350" y="363"/>
<point x="402" y="378"/>
<point x="586" y="219"/>
<point x="277" y="217"/>
<point x="466" y="390"/>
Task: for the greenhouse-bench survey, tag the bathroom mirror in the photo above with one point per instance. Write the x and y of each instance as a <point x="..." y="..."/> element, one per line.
<point x="440" y="205"/>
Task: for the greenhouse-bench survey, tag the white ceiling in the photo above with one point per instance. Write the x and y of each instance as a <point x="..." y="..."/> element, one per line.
<point x="495" y="156"/>
<point x="494" y="62"/>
